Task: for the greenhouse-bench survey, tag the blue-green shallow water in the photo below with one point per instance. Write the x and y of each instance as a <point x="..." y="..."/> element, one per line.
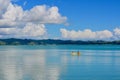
<point x="97" y="62"/>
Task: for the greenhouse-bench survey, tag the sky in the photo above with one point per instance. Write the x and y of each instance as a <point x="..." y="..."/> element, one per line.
<point x="60" y="19"/>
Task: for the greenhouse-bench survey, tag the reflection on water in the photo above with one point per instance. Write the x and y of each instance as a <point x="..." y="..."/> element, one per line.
<point x="28" y="65"/>
<point x="59" y="65"/>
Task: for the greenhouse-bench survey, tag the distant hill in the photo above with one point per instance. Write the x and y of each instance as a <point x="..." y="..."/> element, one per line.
<point x="13" y="41"/>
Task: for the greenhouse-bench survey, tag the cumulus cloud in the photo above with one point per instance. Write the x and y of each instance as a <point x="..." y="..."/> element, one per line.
<point x="117" y="33"/>
<point x="44" y="14"/>
<point x="29" y="31"/>
<point x="3" y="6"/>
<point x="13" y="13"/>
<point x="8" y="24"/>
<point x="33" y="30"/>
<point x="16" y="22"/>
<point x="87" y="34"/>
<point x="38" y="14"/>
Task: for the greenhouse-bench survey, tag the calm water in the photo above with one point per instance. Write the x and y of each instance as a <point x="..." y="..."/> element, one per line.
<point x="55" y="62"/>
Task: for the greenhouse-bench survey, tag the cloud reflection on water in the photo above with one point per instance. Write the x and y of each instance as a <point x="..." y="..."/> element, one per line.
<point x="56" y="65"/>
<point x="27" y="65"/>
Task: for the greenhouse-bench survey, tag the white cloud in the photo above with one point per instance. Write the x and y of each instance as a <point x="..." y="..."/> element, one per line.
<point x="13" y="13"/>
<point x="117" y="33"/>
<point x="3" y="6"/>
<point x="16" y="22"/>
<point x="44" y="14"/>
<point x="33" y="30"/>
<point x="8" y="31"/>
<point x="105" y="34"/>
<point x="38" y="14"/>
<point x="29" y="31"/>
<point x="4" y="23"/>
<point x="87" y="34"/>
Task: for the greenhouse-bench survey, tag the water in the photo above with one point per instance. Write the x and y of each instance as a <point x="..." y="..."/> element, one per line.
<point x="54" y="62"/>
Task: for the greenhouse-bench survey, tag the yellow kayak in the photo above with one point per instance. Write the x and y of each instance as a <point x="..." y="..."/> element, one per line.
<point x="75" y="53"/>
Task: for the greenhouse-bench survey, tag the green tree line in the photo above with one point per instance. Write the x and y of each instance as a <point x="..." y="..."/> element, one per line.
<point x="13" y="41"/>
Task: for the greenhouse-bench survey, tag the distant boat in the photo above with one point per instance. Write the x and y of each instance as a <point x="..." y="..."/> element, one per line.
<point x="75" y="53"/>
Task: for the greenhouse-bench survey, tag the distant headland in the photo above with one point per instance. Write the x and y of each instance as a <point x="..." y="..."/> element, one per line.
<point x="14" y="41"/>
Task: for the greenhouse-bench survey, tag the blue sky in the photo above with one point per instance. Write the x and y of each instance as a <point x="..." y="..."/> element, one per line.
<point x="81" y="14"/>
<point x="96" y="16"/>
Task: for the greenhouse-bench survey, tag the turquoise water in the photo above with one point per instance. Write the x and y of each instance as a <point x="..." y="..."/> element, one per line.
<point x="54" y="62"/>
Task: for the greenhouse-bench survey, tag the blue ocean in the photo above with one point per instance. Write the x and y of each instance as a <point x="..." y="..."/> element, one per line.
<point x="55" y="62"/>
